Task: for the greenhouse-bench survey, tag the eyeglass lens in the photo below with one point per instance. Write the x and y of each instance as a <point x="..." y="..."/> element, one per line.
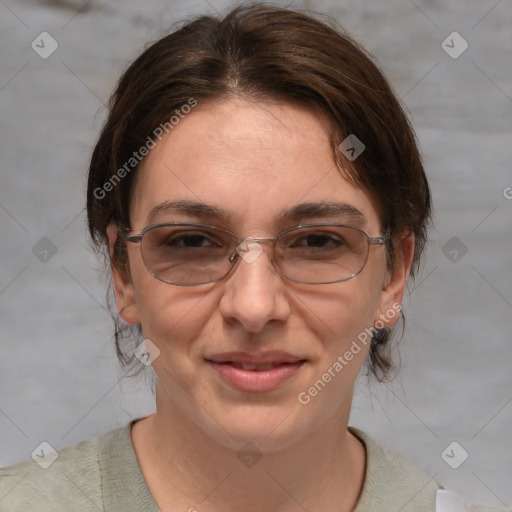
<point x="188" y="254"/>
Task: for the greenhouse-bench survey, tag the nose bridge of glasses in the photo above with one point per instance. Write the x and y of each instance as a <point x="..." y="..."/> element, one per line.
<point x="249" y="248"/>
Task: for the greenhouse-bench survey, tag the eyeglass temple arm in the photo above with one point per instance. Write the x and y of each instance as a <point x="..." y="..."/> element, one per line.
<point x="379" y="239"/>
<point x="132" y="238"/>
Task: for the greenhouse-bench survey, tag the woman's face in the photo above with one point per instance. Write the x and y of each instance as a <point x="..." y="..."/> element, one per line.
<point x="254" y="161"/>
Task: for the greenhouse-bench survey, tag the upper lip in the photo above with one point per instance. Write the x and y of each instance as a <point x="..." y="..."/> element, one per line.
<point x="270" y="357"/>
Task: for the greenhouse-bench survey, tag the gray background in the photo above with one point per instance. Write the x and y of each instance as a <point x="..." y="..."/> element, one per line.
<point x="59" y="377"/>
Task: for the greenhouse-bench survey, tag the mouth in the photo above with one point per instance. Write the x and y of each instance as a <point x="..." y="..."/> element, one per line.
<point x="271" y="357"/>
<point x="254" y="367"/>
<point x="255" y="372"/>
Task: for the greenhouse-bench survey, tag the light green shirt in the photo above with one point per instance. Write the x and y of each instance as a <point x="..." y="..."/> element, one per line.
<point x="103" y="474"/>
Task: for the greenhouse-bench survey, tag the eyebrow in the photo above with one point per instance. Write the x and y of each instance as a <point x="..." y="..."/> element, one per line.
<point x="325" y="209"/>
<point x="188" y="207"/>
<point x="297" y="212"/>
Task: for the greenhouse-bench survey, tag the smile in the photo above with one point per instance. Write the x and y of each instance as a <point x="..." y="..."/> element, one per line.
<point x="255" y="367"/>
<point x="255" y="377"/>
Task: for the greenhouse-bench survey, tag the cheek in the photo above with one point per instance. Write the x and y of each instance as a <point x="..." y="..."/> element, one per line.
<point x="342" y="321"/>
<point x="352" y="342"/>
<point x="165" y="310"/>
<point x="168" y="313"/>
<point x="341" y="325"/>
<point x="342" y="313"/>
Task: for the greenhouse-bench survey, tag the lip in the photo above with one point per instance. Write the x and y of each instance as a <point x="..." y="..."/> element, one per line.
<point x="255" y="381"/>
<point x="269" y="357"/>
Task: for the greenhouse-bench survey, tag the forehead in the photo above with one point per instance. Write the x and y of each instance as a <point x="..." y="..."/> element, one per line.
<point x="255" y="162"/>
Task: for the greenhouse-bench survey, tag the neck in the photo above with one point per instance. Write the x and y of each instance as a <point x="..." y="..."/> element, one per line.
<point x="185" y="468"/>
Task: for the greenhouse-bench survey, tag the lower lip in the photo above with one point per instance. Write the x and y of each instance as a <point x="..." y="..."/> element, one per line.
<point x="254" y="381"/>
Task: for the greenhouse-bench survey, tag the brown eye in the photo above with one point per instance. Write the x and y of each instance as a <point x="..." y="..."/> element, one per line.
<point x="319" y="240"/>
<point x="191" y="240"/>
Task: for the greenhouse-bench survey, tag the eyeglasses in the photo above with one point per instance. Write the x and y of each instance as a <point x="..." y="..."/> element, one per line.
<point x="187" y="254"/>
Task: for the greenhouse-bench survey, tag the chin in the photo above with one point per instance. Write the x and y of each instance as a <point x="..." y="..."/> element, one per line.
<point x="270" y="430"/>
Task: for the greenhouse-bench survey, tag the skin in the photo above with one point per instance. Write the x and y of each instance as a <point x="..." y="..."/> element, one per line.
<point x="253" y="160"/>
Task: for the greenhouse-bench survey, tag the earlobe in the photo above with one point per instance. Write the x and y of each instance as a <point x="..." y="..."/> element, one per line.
<point x="396" y="281"/>
<point x="123" y="288"/>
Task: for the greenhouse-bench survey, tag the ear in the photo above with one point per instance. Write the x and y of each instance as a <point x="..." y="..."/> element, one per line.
<point x="123" y="287"/>
<point x="390" y="302"/>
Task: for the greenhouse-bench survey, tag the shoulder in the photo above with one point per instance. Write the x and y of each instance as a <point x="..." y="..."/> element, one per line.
<point x="67" y="479"/>
<point x="482" y="508"/>
<point x="448" y="501"/>
<point x="394" y="483"/>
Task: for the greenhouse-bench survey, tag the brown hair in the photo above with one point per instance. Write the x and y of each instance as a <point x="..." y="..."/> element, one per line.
<point x="265" y="53"/>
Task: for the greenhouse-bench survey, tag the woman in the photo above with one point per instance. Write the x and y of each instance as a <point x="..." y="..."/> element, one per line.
<point x="260" y="195"/>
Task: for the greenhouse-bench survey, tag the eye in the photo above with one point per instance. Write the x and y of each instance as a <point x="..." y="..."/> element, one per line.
<point x="318" y="240"/>
<point x="321" y="243"/>
<point x="192" y="240"/>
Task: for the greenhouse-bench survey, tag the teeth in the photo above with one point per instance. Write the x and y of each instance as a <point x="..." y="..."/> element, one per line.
<point x="255" y="367"/>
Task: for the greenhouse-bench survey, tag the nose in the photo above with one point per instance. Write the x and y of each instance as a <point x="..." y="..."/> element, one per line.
<point x="254" y="293"/>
